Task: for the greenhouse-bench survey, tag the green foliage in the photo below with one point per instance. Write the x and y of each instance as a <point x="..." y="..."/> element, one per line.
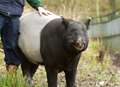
<point x="12" y="80"/>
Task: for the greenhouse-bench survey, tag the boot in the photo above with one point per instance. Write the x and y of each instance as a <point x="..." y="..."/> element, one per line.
<point x="11" y="68"/>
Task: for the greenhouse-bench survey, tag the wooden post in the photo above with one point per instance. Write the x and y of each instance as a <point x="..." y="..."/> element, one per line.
<point x="98" y="10"/>
<point x="113" y="7"/>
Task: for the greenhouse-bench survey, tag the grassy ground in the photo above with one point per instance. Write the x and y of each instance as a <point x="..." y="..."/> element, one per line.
<point x="95" y="69"/>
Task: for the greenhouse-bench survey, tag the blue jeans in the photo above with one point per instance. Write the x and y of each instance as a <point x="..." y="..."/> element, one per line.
<point x="9" y="28"/>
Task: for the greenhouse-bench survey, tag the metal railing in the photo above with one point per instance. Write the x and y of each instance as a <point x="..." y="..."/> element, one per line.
<point x="106" y="18"/>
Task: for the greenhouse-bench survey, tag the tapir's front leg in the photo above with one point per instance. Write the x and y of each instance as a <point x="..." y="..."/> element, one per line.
<point x="51" y="77"/>
<point x="70" y="78"/>
<point x="70" y="72"/>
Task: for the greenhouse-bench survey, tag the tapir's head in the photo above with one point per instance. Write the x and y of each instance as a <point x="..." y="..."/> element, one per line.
<point x="75" y="34"/>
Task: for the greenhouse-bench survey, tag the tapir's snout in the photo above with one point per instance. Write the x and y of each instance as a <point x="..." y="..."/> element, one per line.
<point x="80" y="44"/>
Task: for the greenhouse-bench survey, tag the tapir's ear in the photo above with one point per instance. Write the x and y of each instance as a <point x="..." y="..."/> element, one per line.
<point x="87" y="22"/>
<point x="65" y="22"/>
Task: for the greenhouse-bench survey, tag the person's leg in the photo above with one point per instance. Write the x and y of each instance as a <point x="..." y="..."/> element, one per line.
<point x="9" y="38"/>
<point x="1" y="22"/>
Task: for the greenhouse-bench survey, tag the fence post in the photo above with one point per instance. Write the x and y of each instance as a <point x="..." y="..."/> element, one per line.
<point x="98" y="10"/>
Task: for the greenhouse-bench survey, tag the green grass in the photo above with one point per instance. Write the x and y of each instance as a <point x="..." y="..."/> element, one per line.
<point x="8" y="80"/>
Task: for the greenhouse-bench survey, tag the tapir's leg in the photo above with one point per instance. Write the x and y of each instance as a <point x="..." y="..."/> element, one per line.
<point x="51" y="77"/>
<point x="70" y="72"/>
<point x="29" y="70"/>
<point x="70" y="77"/>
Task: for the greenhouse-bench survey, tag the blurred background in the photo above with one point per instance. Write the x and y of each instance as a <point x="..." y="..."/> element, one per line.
<point x="82" y="8"/>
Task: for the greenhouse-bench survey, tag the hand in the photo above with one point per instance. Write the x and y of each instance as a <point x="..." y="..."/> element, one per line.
<point x="42" y="11"/>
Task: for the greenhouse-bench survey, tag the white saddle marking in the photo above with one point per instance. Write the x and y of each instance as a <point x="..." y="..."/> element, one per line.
<point x="30" y="32"/>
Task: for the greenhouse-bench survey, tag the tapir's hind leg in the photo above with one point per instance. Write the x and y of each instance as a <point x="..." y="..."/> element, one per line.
<point x="29" y="70"/>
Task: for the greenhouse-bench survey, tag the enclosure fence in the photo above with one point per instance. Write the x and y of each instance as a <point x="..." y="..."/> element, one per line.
<point x="106" y="18"/>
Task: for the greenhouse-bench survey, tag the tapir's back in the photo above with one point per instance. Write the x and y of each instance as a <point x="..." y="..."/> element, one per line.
<point x="30" y="33"/>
